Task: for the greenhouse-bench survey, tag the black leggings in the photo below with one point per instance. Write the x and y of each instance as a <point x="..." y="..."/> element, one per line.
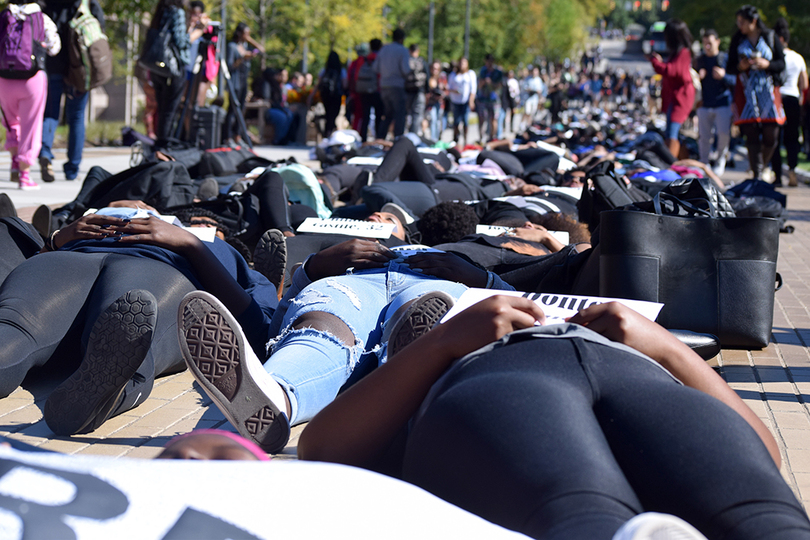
<point x="404" y="161"/>
<point x="49" y="303"/>
<point x="567" y="439"/>
<point x="761" y="139"/>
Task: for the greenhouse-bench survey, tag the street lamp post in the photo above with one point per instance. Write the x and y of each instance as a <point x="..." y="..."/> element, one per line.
<point x="467" y="31"/>
<point x="430" y="32"/>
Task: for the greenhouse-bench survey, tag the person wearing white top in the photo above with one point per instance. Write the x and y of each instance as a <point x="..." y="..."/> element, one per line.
<point x="461" y="87"/>
<point x="792" y="90"/>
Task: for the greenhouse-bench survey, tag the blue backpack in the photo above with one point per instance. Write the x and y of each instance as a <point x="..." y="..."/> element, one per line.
<point x="21" y="51"/>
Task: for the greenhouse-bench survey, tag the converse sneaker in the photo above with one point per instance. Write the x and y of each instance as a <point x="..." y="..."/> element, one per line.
<point x="223" y="363"/>
<point x="26" y="184"/>
<point x="416" y="319"/>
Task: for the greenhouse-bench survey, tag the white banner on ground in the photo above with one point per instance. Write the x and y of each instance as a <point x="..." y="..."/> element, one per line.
<point x="556" y="306"/>
<point x="47" y="495"/>
<point x="348" y="227"/>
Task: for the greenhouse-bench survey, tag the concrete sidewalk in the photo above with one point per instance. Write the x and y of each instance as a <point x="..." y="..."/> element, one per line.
<point x="774" y="382"/>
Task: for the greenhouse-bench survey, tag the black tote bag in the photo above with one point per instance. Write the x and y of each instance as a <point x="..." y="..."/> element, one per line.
<point x="160" y="54"/>
<point x="713" y="275"/>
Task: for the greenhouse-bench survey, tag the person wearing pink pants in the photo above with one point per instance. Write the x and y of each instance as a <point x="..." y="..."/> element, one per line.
<point x="23" y="103"/>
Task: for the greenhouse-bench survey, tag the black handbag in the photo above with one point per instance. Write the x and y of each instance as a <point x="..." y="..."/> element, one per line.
<point x="160" y="54"/>
<point x="713" y="275"/>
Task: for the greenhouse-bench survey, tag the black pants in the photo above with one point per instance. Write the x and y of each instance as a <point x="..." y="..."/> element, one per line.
<point x="567" y="439"/>
<point x="372" y="101"/>
<point x="789" y="136"/>
<point x="168" y="95"/>
<point x="403" y="161"/>
<point x="761" y="139"/>
<point x="49" y="303"/>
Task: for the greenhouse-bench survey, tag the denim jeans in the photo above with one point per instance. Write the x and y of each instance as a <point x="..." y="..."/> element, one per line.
<point x="313" y="365"/>
<point x="75" y="103"/>
<point x="436" y="122"/>
<point x="281" y="120"/>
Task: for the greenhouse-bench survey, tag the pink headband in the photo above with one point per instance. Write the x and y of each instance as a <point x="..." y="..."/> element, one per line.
<point x="250" y="446"/>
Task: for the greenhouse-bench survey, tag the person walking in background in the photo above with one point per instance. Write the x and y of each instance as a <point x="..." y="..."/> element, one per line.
<point x="714" y="114"/>
<point x="461" y="88"/>
<point x="23" y="94"/>
<point x="240" y="50"/>
<point x="415" y="86"/>
<point x="755" y="57"/>
<point x="331" y="85"/>
<point x="61" y="12"/>
<point x="791" y="91"/>
<point x="677" y="92"/>
<point x="355" y="98"/>
<point x="510" y="100"/>
<point x="168" y="90"/>
<point x="535" y="90"/>
<point x="393" y="65"/>
<point x="368" y="86"/>
<point x="434" y="101"/>
<point x="490" y="80"/>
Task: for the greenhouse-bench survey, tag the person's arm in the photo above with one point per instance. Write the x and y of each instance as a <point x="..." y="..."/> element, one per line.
<point x="358" y="427"/>
<point x="404" y="64"/>
<point x="255" y="44"/>
<point x="803" y="84"/>
<point x="620" y="323"/>
<point x="703" y="167"/>
<point x="777" y="62"/>
<point x="212" y="275"/>
<point x="675" y="67"/>
<point x="52" y="43"/>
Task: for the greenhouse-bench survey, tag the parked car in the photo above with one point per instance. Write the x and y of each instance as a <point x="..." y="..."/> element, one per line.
<point x="654" y="41"/>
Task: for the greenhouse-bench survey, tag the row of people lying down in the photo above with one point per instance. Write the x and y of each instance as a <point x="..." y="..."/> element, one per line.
<point x="618" y="435"/>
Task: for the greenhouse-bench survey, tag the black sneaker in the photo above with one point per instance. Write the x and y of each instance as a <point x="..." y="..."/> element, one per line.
<point x="223" y="363"/>
<point x="119" y="342"/>
<point x="270" y="256"/>
<point x="42" y="221"/>
<point x="419" y="317"/>
<point x="46" y="169"/>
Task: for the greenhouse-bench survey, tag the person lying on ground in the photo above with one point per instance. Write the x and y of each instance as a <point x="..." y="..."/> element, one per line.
<point x="563" y="431"/>
<point x="102" y="298"/>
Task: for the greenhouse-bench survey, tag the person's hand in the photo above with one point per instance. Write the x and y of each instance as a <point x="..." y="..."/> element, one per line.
<point x="702" y="73"/>
<point x="718" y="73"/>
<point x="89" y="227"/>
<point x="156" y="232"/>
<point x="448" y="266"/>
<point x="358" y="254"/>
<point x="760" y="63"/>
<point x="131" y="204"/>
<point x="531" y="232"/>
<point x="524" y="190"/>
<point x="744" y="64"/>
<point x="656" y="57"/>
<point x="487" y="321"/>
<point x="618" y="322"/>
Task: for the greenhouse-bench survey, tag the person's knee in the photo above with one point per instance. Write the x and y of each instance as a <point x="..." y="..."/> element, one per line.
<point x="326" y="322"/>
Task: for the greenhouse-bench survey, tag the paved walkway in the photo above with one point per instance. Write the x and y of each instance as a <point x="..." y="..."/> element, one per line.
<point x="774" y="382"/>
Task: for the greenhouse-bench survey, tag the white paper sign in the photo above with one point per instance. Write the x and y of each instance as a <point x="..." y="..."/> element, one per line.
<point x="496" y="230"/>
<point x="348" y="227"/>
<point x="556" y="306"/>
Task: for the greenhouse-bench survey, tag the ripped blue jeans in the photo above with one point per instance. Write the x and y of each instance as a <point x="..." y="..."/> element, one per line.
<point x="311" y="365"/>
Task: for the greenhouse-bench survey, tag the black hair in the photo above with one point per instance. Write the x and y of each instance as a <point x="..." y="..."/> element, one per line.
<point x="398" y="35"/>
<point x="197" y="4"/>
<point x="413" y="47"/>
<point x="557" y="221"/>
<point x="375" y="45"/>
<point x="239" y="31"/>
<point x="751" y="13"/>
<point x="780" y="28"/>
<point x="709" y="32"/>
<point x="162" y="6"/>
<point x="677" y="36"/>
<point x="447" y="222"/>
<point x="333" y="61"/>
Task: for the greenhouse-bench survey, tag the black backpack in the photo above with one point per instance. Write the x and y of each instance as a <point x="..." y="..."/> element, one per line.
<point x="330" y="85"/>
